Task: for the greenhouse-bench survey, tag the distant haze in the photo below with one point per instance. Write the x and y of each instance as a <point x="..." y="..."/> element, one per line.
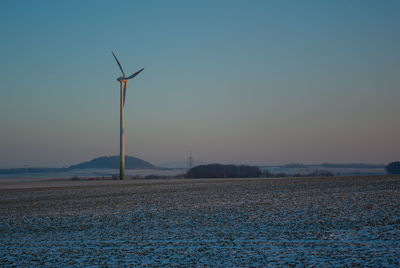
<point x="253" y="82"/>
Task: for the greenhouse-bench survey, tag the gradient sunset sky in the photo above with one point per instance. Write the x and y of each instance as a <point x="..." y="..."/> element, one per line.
<point x="255" y="82"/>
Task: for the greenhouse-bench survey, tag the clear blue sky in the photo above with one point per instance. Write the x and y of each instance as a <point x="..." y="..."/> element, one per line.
<point x="257" y="82"/>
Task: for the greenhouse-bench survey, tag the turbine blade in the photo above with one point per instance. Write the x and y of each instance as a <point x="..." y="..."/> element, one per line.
<point x="118" y="63"/>
<point x="135" y="74"/>
<point x="124" y="92"/>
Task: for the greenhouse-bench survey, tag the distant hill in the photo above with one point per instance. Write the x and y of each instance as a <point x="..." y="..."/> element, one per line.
<point x="106" y="162"/>
<point x="112" y="162"/>
<point x="295" y="165"/>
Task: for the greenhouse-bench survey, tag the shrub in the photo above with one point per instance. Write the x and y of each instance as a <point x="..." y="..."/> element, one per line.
<point x="223" y="171"/>
<point x="393" y="168"/>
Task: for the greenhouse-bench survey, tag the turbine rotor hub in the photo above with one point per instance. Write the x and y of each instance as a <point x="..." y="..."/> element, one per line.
<point x="122" y="79"/>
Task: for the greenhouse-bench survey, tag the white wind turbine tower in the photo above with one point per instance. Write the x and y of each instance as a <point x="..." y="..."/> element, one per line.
<point x="123" y="80"/>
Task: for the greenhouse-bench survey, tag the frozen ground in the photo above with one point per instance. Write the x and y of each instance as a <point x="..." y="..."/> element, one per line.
<point x="254" y="222"/>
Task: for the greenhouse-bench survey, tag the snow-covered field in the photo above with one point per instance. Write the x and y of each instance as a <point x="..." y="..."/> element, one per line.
<point x="352" y="221"/>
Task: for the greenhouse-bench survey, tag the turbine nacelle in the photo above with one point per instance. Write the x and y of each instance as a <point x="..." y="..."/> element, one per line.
<point x="122" y="79"/>
<point x="125" y="79"/>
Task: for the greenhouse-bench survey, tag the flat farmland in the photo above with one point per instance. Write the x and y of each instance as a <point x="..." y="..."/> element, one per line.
<point x="352" y="221"/>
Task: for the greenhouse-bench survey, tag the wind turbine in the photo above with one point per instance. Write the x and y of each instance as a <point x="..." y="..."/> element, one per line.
<point x="123" y="80"/>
